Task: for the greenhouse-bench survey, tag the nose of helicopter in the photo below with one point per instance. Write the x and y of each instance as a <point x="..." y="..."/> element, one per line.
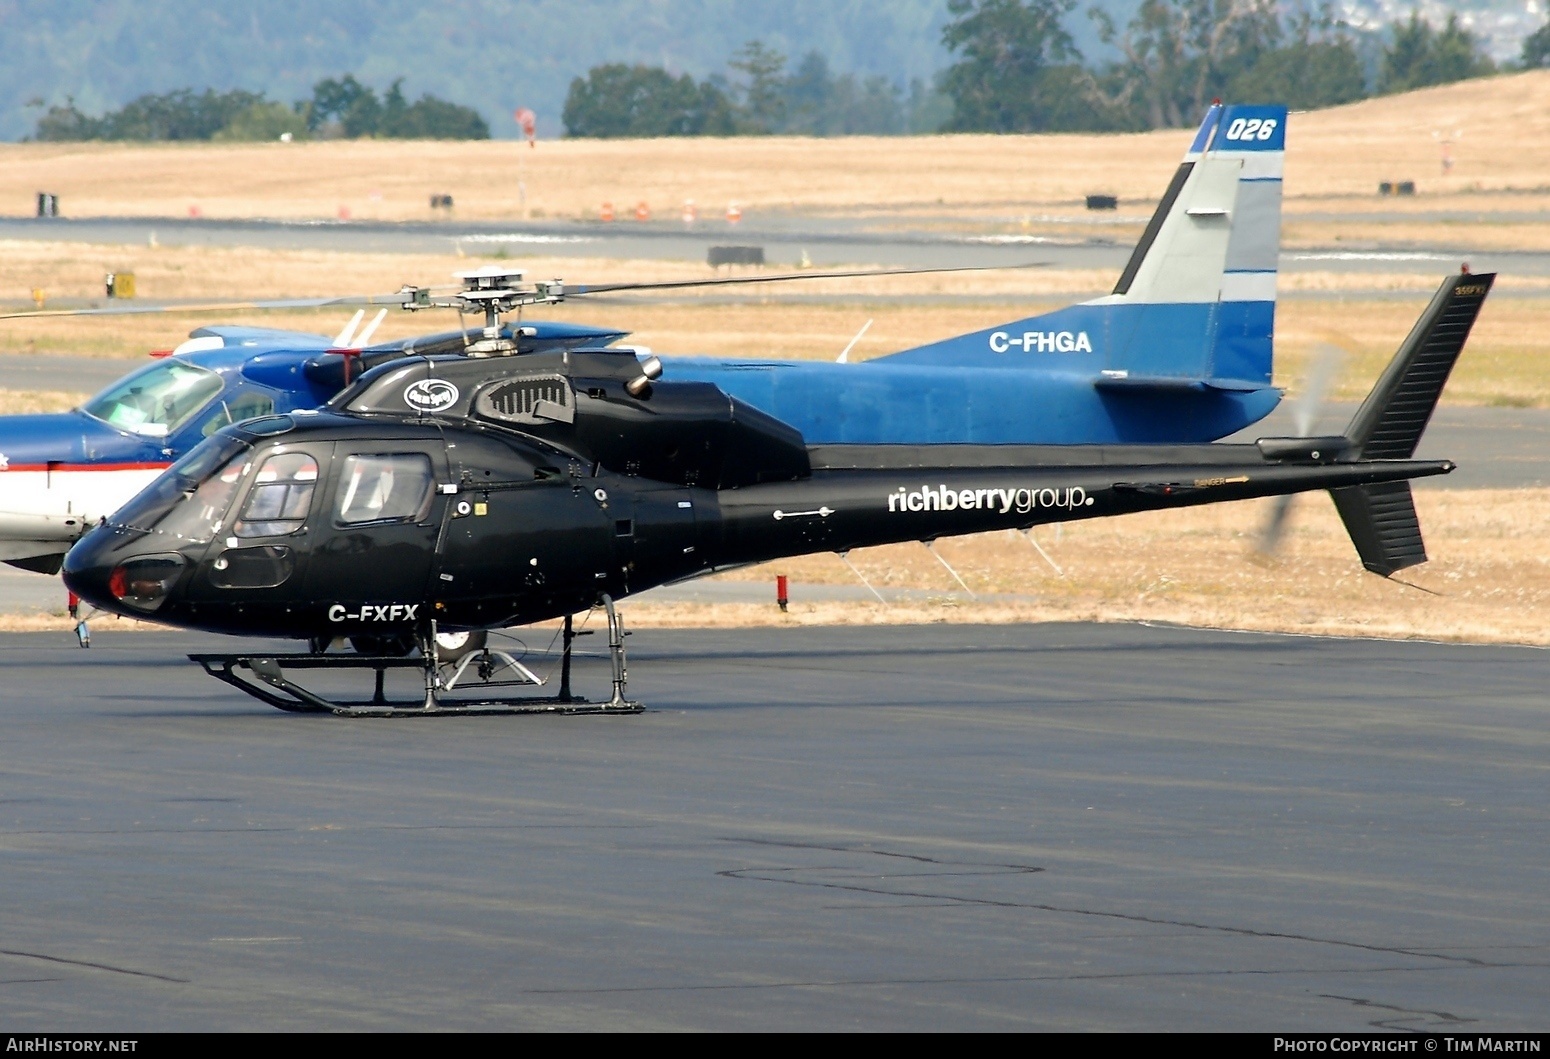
<point x="108" y="575"/>
<point x="87" y="569"/>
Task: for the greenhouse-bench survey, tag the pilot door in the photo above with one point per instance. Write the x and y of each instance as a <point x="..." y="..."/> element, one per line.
<point x="258" y="553"/>
<point x="375" y="535"/>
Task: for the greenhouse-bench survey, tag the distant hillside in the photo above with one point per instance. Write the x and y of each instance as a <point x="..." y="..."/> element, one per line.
<point x="493" y="55"/>
<point x="496" y="55"/>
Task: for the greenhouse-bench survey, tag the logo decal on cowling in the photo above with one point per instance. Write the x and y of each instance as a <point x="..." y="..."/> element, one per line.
<point x="430" y="395"/>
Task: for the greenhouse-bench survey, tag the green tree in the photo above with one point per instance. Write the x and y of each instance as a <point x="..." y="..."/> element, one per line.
<point x="1420" y="56"/>
<point x="352" y="106"/>
<point x="180" y="115"/>
<point x="1536" y="48"/>
<point x="818" y="103"/>
<point x="1319" y="66"/>
<point x="1180" y="54"/>
<point x="66" y="124"/>
<point x="619" y="100"/>
<point x="1015" y="57"/>
<point x="927" y="109"/>
<point x="428" y="118"/>
<point x="264" y="121"/>
<point x="338" y="106"/>
<point x="762" y="103"/>
<point x="809" y="95"/>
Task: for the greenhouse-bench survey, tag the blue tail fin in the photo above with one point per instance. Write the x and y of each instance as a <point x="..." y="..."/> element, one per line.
<point x="1194" y="308"/>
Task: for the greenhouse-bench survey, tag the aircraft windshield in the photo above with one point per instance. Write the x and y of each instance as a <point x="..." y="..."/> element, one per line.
<point x="191" y="498"/>
<point x="157" y="400"/>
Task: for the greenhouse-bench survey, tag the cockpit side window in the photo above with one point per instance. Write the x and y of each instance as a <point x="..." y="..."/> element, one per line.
<point x="237" y="407"/>
<point x="384" y="488"/>
<point x="280" y="498"/>
<point x="156" y="401"/>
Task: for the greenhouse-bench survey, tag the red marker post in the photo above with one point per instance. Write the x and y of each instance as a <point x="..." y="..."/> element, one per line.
<point x="781" y="595"/>
<point x="527" y="121"/>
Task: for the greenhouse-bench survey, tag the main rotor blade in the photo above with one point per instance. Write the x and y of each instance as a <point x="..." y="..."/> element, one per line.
<point x="570" y="291"/>
<point x="396" y="298"/>
<point x="574" y="289"/>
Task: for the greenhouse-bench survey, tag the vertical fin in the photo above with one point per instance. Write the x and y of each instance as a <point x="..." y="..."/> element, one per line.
<point x="1389" y="424"/>
<point x="1383" y="525"/>
<point x="1194" y="306"/>
<point x="1381" y="519"/>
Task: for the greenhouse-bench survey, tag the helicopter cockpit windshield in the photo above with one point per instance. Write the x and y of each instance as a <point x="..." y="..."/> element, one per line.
<point x="156" y="400"/>
<point x="189" y="500"/>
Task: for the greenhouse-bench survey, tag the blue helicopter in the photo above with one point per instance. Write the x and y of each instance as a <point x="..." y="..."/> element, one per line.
<point x="1180" y="352"/>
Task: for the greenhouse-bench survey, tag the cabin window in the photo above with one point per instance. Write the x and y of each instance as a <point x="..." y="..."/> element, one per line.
<point x="266" y="566"/>
<point x="384" y="488"/>
<point x="157" y="400"/>
<point x="280" y="497"/>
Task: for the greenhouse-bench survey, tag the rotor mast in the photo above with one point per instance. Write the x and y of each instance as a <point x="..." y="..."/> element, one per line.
<point x="492" y="290"/>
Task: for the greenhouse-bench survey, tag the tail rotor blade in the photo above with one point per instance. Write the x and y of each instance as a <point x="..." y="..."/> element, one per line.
<point x="1328" y="360"/>
<point x="1274" y="531"/>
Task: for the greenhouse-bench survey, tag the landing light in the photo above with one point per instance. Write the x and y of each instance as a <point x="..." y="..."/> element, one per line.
<point x="144" y="583"/>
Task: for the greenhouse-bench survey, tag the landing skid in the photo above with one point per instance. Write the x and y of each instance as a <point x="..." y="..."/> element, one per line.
<point x="264" y="678"/>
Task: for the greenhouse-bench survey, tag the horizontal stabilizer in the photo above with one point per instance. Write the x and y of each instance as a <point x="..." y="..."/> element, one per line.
<point x="1390" y="422"/>
<point x="1383" y="525"/>
<point x="1116" y="383"/>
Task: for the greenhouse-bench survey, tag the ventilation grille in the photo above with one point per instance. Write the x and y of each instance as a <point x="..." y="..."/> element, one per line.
<point x="515" y="401"/>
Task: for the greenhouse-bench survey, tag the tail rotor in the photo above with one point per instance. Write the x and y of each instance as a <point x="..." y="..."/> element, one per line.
<point x="1328" y="361"/>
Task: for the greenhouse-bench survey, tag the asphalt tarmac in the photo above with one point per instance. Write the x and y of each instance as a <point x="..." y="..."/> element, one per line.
<point x="1067" y="827"/>
<point x="786" y="241"/>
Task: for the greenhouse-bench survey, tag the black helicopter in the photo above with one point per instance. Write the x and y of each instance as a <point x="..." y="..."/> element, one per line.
<point x="441" y="496"/>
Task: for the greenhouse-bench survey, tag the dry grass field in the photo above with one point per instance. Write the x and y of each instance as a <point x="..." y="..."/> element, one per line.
<point x="1500" y="128"/>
